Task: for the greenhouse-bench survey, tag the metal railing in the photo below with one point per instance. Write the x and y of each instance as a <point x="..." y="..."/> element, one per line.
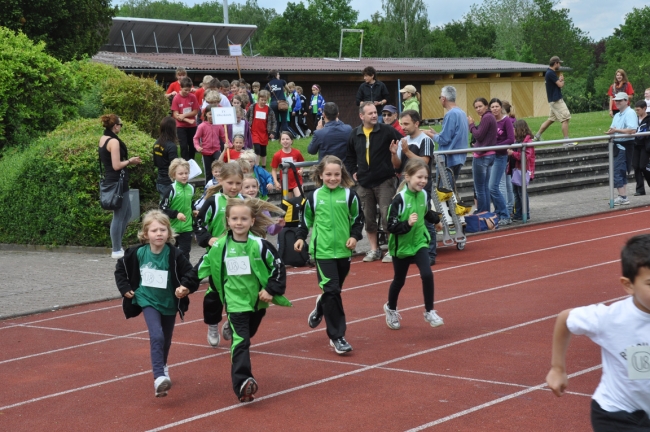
<point x="601" y="139"/>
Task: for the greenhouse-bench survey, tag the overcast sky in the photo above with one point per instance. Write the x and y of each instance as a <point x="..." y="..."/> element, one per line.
<point x="596" y="17"/>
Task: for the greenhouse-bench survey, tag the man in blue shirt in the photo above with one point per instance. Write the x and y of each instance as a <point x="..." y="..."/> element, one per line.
<point x="331" y="135"/>
<point x="559" y="110"/>
<point x="454" y="132"/>
<point x="624" y="122"/>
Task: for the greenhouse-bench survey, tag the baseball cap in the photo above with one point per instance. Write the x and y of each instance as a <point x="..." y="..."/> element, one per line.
<point x="391" y="109"/>
<point x="409" y="88"/>
<point x="555" y="59"/>
<point x="620" y="96"/>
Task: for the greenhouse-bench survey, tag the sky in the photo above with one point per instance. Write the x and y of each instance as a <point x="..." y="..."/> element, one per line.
<point x="597" y="18"/>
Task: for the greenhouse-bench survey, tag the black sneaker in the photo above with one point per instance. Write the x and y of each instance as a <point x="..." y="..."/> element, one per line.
<point x="247" y="390"/>
<point x="314" y="317"/>
<point x="340" y="345"/>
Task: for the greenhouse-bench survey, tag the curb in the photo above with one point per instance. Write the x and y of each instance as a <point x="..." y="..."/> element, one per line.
<point x="62" y="249"/>
<point x="54" y="309"/>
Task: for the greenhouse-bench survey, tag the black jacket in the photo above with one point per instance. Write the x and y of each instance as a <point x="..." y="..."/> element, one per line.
<point x="381" y="168"/>
<point x="644" y="126"/>
<point x="163" y="155"/>
<point x="127" y="278"/>
<point x="373" y="93"/>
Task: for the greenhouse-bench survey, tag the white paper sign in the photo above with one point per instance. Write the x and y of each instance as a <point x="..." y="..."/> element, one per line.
<point x="260" y="115"/>
<point x="235" y="50"/>
<point x="638" y="362"/>
<point x="195" y="170"/>
<point x="153" y="278"/>
<point x="224" y="115"/>
<point x="238" y="266"/>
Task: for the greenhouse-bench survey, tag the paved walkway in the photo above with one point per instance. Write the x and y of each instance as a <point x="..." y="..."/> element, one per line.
<point x="40" y="280"/>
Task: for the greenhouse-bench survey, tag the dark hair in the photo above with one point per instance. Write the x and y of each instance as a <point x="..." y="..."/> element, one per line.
<point x="214" y="83"/>
<point x="273" y="73"/>
<point x="521" y="130"/>
<point x="482" y="100"/>
<point x="109" y="120"/>
<point x="287" y="133"/>
<point x="317" y="171"/>
<point x="496" y="100"/>
<point x="168" y="130"/>
<point x="225" y="84"/>
<point x="413" y="114"/>
<point x="242" y="81"/>
<point x="186" y="82"/>
<point x="370" y="71"/>
<point x="506" y="107"/>
<point x="331" y="111"/>
<point x="635" y="254"/>
<point x="641" y="104"/>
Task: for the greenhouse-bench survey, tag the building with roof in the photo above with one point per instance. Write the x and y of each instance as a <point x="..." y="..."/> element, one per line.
<point x="158" y="47"/>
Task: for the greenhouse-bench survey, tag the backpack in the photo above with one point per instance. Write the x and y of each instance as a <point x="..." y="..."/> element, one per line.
<point x="288" y="254"/>
<point x="293" y="207"/>
<point x="484" y="221"/>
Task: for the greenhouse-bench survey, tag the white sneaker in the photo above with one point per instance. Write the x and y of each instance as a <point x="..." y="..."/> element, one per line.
<point x="619" y="200"/>
<point x="162" y="385"/>
<point x="117" y="255"/>
<point x="432" y="318"/>
<point x="372" y="255"/>
<point x="392" y="318"/>
<point x="166" y="370"/>
<point x="213" y="335"/>
<point x="387" y="258"/>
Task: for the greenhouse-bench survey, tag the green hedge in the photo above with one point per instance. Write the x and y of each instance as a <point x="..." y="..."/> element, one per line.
<point x="37" y="92"/>
<point x="49" y="190"/>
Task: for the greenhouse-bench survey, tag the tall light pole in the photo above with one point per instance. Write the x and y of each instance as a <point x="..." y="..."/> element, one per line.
<point x="225" y="12"/>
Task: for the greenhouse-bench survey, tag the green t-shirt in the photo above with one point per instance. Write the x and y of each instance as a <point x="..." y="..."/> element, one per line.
<point x="151" y="268"/>
<point x="314" y="104"/>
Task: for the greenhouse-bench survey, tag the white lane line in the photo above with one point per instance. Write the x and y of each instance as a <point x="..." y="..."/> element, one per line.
<point x="131" y="335"/>
<point x="494" y="402"/>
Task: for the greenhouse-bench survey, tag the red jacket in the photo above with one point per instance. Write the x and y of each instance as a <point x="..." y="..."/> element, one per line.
<point x="530" y="157"/>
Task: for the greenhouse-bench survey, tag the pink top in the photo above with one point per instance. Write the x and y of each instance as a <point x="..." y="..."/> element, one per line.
<point x="210" y="137"/>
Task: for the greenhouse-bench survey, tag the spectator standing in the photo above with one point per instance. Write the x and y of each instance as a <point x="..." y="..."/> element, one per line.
<point x="209" y="140"/>
<point x="620" y="85"/>
<point x="185" y="106"/>
<point x="316" y="104"/>
<point x="411" y="98"/>
<point x="276" y="87"/>
<point x="559" y="110"/>
<point x="646" y="94"/>
<point x="302" y="121"/>
<point x="114" y="155"/>
<point x="523" y="134"/>
<point x="624" y="122"/>
<point x="368" y="159"/>
<point x="296" y="107"/>
<point x="164" y="152"/>
<point x="486" y="136"/>
<point x="331" y="135"/>
<point x="389" y="114"/>
<point x="416" y="145"/>
<point x="642" y="147"/>
<point x="505" y="136"/>
<point x="454" y="134"/>
<point x="372" y="91"/>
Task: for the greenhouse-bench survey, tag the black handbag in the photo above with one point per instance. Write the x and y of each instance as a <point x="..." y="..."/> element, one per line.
<point x="111" y="192"/>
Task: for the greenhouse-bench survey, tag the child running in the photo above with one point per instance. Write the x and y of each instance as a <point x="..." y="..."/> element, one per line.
<point x="177" y="204"/>
<point x="210" y="224"/>
<point x="622" y="400"/>
<point x="216" y="175"/>
<point x="334" y="214"/>
<point x="287" y="154"/>
<point x="233" y="152"/>
<point x="523" y="134"/>
<point x="251" y="189"/>
<point x="263" y="177"/>
<point x="409" y="240"/>
<point x="248" y="275"/>
<point x="156" y="278"/>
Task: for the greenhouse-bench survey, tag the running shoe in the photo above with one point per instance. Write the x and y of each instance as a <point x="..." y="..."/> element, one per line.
<point x="372" y="255"/>
<point x="432" y="318"/>
<point x="226" y="331"/>
<point x="314" y="317"/>
<point x="387" y="258"/>
<point x="619" y="200"/>
<point x="162" y="385"/>
<point x="213" y="335"/>
<point x="340" y="345"/>
<point x="247" y="390"/>
<point x="392" y="318"/>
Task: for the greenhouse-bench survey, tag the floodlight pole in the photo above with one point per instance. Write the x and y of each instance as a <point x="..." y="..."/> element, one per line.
<point x="225" y="12"/>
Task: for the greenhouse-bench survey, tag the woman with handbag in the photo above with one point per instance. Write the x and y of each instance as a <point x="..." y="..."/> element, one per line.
<point x="113" y="156"/>
<point x="278" y="101"/>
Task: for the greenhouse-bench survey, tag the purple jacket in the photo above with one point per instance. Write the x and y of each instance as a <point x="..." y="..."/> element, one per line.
<point x="485" y="134"/>
<point x="248" y="137"/>
<point x="505" y="133"/>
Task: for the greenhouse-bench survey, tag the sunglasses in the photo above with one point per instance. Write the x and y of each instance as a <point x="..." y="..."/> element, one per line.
<point x="119" y="124"/>
<point x="387" y="114"/>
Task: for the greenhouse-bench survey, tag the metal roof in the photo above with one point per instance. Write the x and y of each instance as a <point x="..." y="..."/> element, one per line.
<point x="140" y="35"/>
<point x="210" y="63"/>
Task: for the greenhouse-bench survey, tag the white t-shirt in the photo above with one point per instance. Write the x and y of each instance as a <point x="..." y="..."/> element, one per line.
<point x="647" y="109"/>
<point x="615" y="328"/>
<point x="238" y="128"/>
<point x="223" y="103"/>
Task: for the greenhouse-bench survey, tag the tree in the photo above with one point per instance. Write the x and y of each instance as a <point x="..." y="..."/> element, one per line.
<point x="71" y="29"/>
<point x="472" y="39"/>
<point x="404" y="28"/>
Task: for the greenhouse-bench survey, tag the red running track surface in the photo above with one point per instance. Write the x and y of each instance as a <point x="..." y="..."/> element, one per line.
<point x="86" y="368"/>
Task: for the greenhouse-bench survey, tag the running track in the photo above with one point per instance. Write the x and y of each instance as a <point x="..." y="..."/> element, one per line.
<point x="87" y="368"/>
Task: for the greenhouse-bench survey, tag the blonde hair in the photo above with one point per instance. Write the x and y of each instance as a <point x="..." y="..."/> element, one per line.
<point x="250" y="177"/>
<point x="227" y="170"/>
<point x="256" y="84"/>
<point x="216" y="165"/>
<point x="257" y="208"/>
<point x="411" y="168"/>
<point x="154" y="216"/>
<point x="264" y="94"/>
<point x="317" y="171"/>
<point x="249" y="155"/>
<point x="175" y="165"/>
<point x="244" y="165"/>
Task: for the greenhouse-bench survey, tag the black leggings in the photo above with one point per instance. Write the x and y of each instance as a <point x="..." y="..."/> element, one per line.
<point x="619" y="421"/>
<point x="401" y="268"/>
<point x="244" y="325"/>
<point x="331" y="275"/>
<point x="184" y="243"/>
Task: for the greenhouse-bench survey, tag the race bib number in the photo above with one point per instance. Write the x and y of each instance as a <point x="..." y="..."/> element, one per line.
<point x="638" y="362"/>
<point x="238" y="266"/>
<point x="288" y="159"/>
<point x="154" y="278"/>
<point x="260" y="115"/>
<point x="187" y="110"/>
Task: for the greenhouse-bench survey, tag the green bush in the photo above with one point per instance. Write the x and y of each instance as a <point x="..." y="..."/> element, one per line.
<point x="91" y="77"/>
<point x="37" y="92"/>
<point x="139" y="100"/>
<point x="49" y="190"/>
